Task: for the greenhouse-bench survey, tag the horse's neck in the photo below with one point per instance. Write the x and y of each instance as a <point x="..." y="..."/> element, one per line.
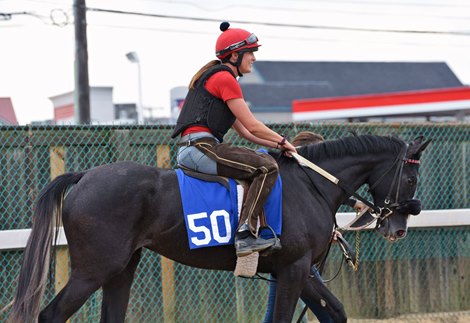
<point x="352" y="171"/>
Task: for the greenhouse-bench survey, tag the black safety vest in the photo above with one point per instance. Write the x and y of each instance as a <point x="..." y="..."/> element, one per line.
<point x="203" y="109"/>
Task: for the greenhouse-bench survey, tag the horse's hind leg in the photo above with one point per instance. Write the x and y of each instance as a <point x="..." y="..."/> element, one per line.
<point x="116" y="292"/>
<point x="69" y="300"/>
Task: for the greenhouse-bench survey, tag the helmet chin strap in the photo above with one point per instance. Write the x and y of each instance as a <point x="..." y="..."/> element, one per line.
<point x="238" y="63"/>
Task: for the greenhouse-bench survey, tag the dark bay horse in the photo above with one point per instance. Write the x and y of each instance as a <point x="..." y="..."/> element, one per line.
<point x="115" y="210"/>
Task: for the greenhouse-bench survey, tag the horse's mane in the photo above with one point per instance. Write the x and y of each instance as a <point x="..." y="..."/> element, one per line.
<point x="352" y="145"/>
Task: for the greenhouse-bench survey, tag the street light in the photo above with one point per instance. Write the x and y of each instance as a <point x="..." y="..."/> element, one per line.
<point x="133" y="58"/>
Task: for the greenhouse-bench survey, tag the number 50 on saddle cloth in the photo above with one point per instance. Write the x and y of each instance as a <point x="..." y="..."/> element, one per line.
<point x="212" y="209"/>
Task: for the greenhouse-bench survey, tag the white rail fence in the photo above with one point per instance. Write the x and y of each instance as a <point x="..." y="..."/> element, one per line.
<point x="16" y="239"/>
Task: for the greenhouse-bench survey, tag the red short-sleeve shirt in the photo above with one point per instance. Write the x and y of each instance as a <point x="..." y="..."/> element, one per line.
<point x="224" y="86"/>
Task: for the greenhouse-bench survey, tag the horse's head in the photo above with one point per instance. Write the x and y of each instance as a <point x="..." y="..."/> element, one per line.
<point x="393" y="190"/>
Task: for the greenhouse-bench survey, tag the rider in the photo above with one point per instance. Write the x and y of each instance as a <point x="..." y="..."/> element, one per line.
<point x="301" y="139"/>
<point x="212" y="106"/>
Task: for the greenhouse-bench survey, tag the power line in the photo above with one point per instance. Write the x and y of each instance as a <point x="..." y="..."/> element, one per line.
<point x="58" y="17"/>
<point x="7" y="16"/>
<point x="443" y="4"/>
<point x="358" y="5"/>
<point x="292" y="37"/>
<point x="271" y="24"/>
<point x="48" y="2"/>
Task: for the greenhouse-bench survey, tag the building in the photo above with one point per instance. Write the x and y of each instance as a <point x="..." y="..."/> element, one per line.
<point x="177" y="96"/>
<point x="101" y="106"/>
<point x="7" y="113"/>
<point x="102" y="109"/>
<point x="367" y="91"/>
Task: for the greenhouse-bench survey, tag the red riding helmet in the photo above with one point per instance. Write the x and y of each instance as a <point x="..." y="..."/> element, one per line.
<point x="234" y="40"/>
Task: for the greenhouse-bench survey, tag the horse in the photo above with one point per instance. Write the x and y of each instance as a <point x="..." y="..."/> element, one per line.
<point x="113" y="211"/>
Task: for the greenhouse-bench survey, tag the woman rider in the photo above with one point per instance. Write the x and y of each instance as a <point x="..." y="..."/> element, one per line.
<point x="213" y="105"/>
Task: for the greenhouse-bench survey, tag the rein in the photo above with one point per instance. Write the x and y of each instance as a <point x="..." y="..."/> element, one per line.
<point x="307" y="163"/>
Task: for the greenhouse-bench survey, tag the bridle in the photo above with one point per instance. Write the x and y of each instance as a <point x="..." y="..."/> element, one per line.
<point x="388" y="207"/>
<point x="391" y="201"/>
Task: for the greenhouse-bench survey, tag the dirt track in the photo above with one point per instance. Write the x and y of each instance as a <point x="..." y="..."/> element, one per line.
<point x="454" y="317"/>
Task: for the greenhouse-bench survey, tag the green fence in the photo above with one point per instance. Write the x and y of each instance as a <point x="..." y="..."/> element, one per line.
<point x="428" y="272"/>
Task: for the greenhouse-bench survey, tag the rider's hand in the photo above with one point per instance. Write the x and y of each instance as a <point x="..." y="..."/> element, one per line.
<point x="288" y="148"/>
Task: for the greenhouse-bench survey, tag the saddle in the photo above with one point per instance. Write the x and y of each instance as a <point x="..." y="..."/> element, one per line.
<point x="206" y="177"/>
<point x="223" y="181"/>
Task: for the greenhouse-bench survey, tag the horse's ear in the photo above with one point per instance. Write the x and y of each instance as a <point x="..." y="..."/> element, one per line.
<point x="424" y="145"/>
<point x="416" y="147"/>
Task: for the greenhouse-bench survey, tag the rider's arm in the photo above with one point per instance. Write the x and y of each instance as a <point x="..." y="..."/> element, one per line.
<point x="256" y="128"/>
<point x="244" y="133"/>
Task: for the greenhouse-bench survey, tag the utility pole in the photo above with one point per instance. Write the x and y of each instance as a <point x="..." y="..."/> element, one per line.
<point x="134" y="58"/>
<point x="82" y="86"/>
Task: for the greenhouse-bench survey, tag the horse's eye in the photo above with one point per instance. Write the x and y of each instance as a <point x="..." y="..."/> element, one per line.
<point x="412" y="180"/>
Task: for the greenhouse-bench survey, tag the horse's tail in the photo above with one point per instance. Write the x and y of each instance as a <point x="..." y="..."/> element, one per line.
<point x="36" y="257"/>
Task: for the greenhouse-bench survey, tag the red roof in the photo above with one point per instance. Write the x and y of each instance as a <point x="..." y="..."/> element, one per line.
<point x="7" y="114"/>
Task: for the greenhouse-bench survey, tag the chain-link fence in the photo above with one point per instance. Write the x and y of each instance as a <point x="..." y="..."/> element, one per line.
<point x="428" y="272"/>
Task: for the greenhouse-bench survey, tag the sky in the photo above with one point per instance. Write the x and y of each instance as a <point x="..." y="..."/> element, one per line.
<point x="37" y="41"/>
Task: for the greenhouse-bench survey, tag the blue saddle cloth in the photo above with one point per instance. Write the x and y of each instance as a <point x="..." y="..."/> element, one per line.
<point x="211" y="211"/>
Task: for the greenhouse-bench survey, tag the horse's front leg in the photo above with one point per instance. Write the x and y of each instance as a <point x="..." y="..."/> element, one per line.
<point x="290" y="282"/>
<point x="315" y="294"/>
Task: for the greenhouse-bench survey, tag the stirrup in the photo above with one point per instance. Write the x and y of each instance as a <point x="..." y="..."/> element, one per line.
<point x="275" y="247"/>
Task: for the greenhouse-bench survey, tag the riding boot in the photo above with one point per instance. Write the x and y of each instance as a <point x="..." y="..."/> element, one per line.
<point x="246" y="243"/>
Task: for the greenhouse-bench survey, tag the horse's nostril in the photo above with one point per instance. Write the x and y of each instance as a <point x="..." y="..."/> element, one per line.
<point x="401" y="233"/>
